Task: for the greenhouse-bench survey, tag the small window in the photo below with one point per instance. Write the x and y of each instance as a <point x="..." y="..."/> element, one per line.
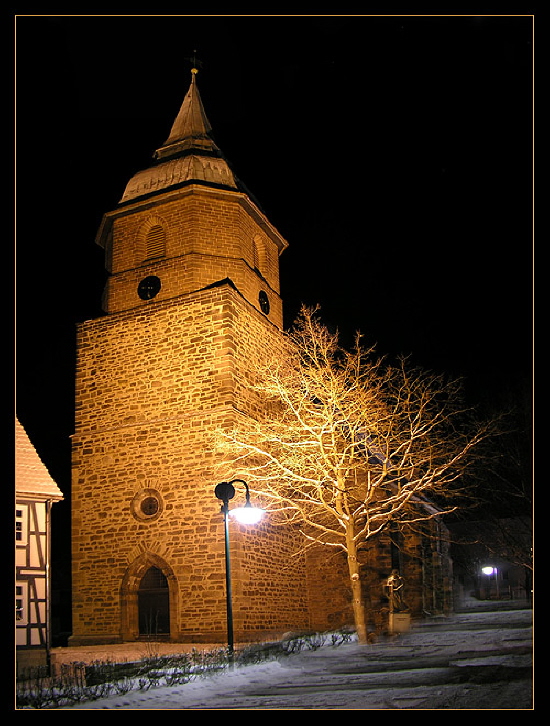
<point x="21" y="525"/>
<point x="21" y="615"/>
<point x="259" y="253"/>
<point x="155" y="242"/>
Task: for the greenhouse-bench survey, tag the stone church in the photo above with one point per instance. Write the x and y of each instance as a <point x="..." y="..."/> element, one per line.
<point x="192" y="302"/>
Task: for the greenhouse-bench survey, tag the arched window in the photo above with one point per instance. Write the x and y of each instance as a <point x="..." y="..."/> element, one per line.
<point x="260" y="255"/>
<point x="155" y="242"/>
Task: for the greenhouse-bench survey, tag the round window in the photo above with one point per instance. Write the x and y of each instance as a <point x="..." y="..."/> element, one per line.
<point x="150" y="506"/>
<point x="146" y="505"/>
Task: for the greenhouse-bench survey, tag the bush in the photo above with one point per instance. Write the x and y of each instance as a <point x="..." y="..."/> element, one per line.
<point x="70" y="683"/>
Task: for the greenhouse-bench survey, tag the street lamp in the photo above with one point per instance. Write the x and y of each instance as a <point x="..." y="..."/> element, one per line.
<point x="245" y="515"/>
<point x="490" y="570"/>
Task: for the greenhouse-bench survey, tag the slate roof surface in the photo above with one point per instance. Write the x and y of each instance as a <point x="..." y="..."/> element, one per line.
<point x="188" y="154"/>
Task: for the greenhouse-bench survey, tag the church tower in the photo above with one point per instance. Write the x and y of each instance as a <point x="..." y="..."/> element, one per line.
<point x="192" y="299"/>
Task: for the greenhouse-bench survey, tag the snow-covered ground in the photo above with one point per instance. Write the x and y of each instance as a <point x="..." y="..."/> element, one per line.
<point x="475" y="660"/>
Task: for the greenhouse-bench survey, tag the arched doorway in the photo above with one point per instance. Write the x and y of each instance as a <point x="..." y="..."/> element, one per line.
<point x="154" y="604"/>
<point x="149" y="600"/>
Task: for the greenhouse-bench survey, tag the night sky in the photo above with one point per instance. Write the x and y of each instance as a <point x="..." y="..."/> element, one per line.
<point x="393" y="153"/>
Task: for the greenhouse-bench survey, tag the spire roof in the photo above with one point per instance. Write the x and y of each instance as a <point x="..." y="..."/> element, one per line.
<point x="191" y="128"/>
<point x="189" y="154"/>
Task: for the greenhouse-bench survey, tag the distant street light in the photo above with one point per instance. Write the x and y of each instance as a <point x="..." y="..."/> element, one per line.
<point x="245" y="515"/>
<point x="490" y="570"/>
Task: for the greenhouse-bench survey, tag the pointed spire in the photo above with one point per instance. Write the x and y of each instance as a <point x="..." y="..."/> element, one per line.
<point x="189" y="154"/>
<point x="191" y="129"/>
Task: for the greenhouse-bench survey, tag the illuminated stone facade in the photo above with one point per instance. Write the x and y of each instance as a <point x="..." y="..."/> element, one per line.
<point x="151" y="385"/>
<point x="192" y="304"/>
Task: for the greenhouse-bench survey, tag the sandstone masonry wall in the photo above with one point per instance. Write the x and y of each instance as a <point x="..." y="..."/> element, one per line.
<point x="150" y="386"/>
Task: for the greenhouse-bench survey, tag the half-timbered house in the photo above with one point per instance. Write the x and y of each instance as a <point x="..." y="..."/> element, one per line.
<point x="36" y="491"/>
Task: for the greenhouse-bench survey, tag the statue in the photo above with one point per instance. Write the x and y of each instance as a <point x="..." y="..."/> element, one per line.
<point x="394" y="588"/>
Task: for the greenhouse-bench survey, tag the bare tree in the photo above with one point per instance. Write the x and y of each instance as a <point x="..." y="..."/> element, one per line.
<point x="350" y="443"/>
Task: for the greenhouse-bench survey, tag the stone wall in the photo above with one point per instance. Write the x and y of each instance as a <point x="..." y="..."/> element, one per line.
<point x="150" y="387"/>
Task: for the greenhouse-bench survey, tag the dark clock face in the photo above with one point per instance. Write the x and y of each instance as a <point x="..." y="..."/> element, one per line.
<point x="149" y="287"/>
<point x="264" y="302"/>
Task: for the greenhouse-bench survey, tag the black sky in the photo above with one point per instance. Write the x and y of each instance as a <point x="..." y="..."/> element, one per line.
<point x="393" y="153"/>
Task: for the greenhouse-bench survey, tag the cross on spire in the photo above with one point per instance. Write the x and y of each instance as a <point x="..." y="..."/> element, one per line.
<point x="195" y="62"/>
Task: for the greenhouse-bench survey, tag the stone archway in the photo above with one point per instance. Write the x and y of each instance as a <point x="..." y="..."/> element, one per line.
<point x="149" y="584"/>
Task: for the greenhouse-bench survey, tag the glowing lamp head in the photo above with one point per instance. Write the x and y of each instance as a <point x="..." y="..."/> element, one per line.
<point x="247" y="514"/>
<point x="488" y="570"/>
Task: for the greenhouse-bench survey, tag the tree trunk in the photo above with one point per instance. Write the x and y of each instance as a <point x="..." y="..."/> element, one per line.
<point x="356" y="592"/>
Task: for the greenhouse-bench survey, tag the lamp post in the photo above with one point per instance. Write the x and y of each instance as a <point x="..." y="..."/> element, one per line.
<point x="490" y="570"/>
<point x="245" y="515"/>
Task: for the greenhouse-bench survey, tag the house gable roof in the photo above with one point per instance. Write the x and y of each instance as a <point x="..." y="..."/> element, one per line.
<point x="32" y="479"/>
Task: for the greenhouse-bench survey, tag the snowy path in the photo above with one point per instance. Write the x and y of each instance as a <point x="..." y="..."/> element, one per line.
<point x="471" y="661"/>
